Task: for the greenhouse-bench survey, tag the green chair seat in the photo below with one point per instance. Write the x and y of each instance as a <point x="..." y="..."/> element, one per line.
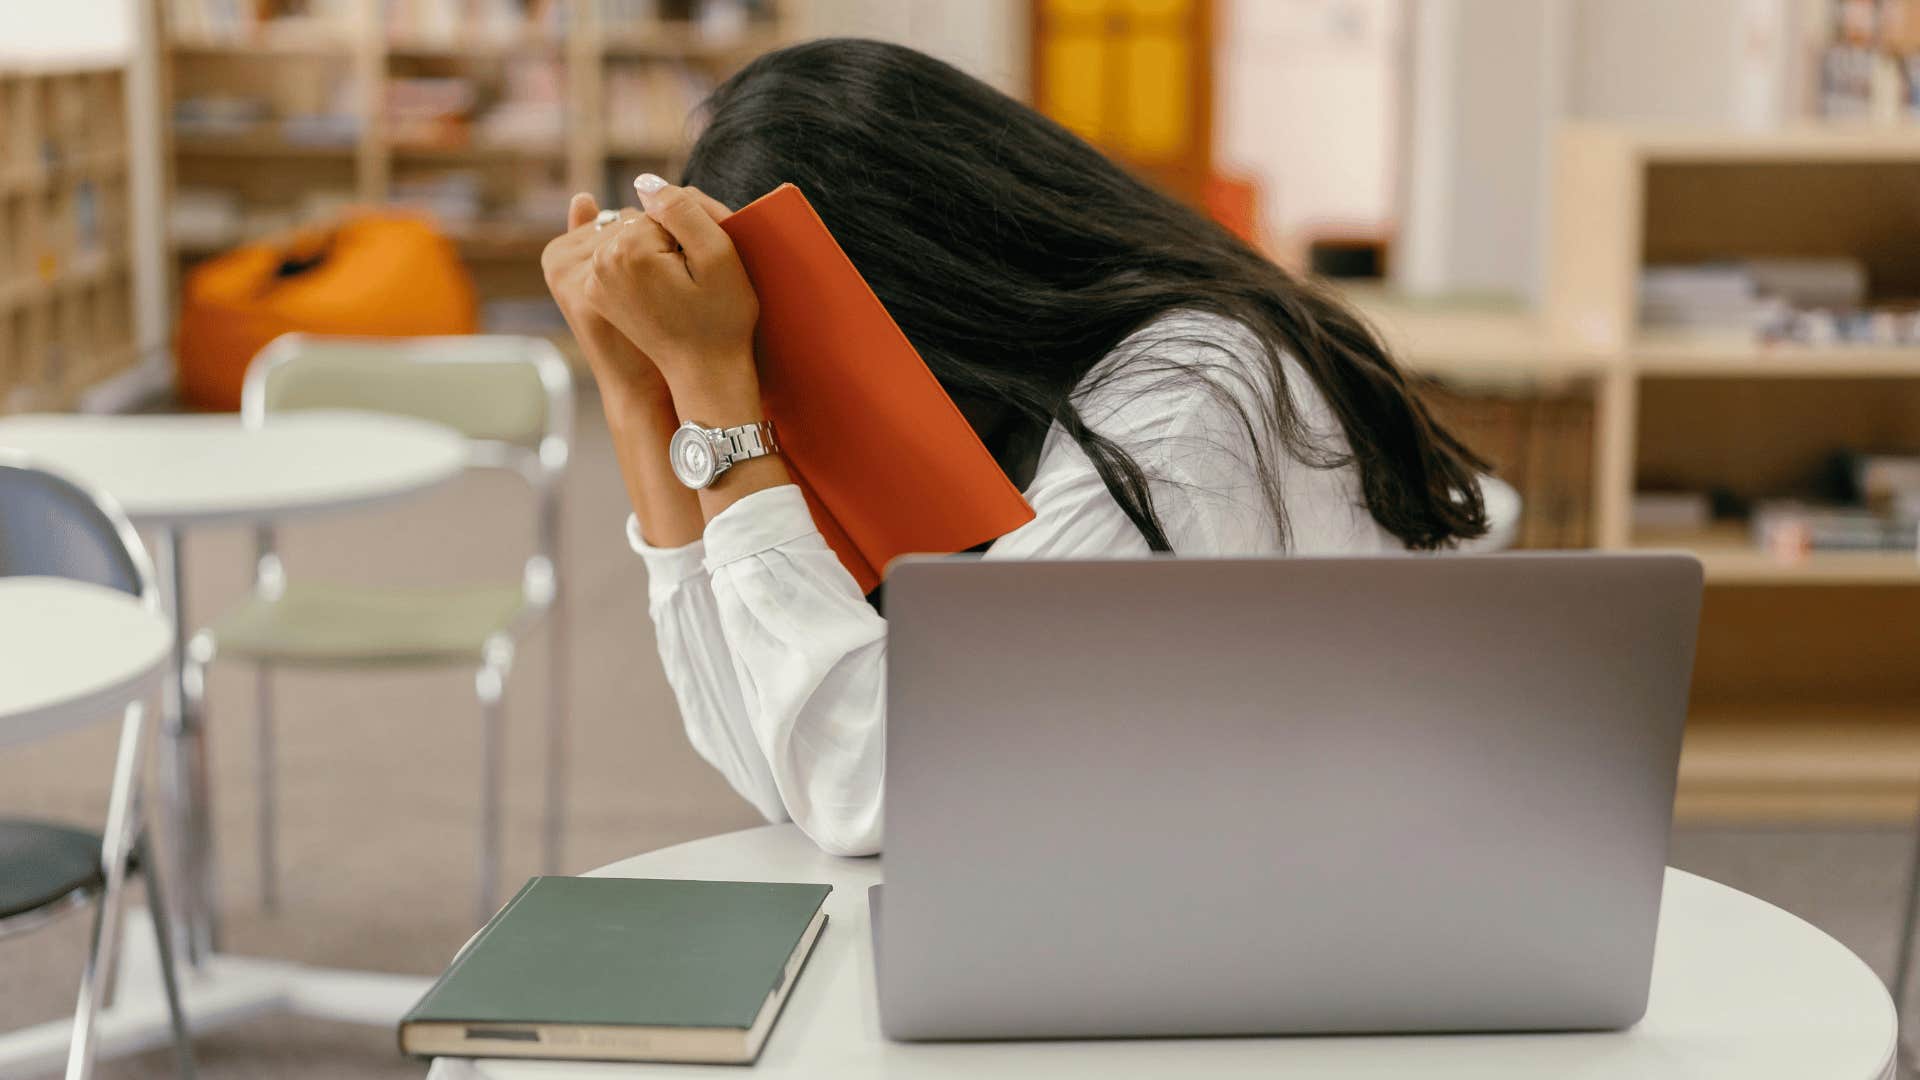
<point x="354" y="624"/>
<point x="40" y="862"/>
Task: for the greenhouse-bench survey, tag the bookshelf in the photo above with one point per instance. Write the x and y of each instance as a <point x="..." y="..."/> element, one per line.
<point x="485" y="114"/>
<point x="1806" y="701"/>
<point x="66" y="278"/>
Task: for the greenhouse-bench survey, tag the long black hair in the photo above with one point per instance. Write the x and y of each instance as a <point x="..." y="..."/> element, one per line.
<point x="1015" y="257"/>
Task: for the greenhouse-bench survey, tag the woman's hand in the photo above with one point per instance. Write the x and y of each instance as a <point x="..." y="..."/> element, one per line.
<point x="621" y="369"/>
<point x="680" y="294"/>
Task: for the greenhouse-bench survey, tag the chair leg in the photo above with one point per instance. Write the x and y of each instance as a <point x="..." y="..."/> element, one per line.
<point x="559" y="661"/>
<point x="92" y="997"/>
<point x="198" y="933"/>
<point x="123" y="814"/>
<point x="169" y="973"/>
<point x="490" y="685"/>
<point x="1903" y="962"/>
<point x="267" y="788"/>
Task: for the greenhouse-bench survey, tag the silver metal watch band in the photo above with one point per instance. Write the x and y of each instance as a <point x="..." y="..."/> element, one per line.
<point x="747" y="441"/>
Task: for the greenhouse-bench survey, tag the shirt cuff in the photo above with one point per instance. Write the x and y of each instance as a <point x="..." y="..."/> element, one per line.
<point x="758" y="522"/>
<point x="667" y="568"/>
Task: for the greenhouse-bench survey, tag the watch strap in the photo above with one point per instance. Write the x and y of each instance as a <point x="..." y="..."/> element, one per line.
<point x="747" y="441"/>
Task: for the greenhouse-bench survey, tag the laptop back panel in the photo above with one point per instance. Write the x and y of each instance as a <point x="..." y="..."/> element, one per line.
<point x="1311" y="795"/>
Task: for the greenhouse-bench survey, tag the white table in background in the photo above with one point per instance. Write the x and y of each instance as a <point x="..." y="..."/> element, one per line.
<point x="71" y="654"/>
<point x="170" y="473"/>
<point x="1741" y="990"/>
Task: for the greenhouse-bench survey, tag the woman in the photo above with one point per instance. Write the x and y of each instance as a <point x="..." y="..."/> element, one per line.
<point x="1152" y="385"/>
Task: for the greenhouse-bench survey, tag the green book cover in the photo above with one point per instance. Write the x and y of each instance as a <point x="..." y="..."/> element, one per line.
<point x="639" y="965"/>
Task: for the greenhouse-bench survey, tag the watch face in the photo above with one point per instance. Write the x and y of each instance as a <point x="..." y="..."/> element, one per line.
<point x="692" y="457"/>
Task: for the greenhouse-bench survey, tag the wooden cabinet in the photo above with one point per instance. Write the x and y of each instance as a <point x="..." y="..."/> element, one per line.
<point x="1133" y="77"/>
<point x="66" y="309"/>
<point x="1806" y="694"/>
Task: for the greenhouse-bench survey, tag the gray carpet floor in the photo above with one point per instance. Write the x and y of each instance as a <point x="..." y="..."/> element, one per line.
<point x="379" y="779"/>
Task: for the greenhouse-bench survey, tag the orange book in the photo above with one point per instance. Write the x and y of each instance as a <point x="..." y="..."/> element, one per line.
<point x="887" y="463"/>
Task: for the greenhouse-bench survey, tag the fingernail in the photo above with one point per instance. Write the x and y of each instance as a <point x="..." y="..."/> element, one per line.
<point x="647" y="183"/>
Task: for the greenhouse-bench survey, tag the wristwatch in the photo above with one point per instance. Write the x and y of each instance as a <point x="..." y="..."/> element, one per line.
<point x="700" y="454"/>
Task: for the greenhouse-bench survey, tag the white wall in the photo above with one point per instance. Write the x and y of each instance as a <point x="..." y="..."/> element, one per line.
<point x="1491" y="81"/>
<point x="1486" y="89"/>
<point x="984" y="38"/>
<point x="1703" y="63"/>
<point x="62" y="28"/>
<point x="1307" y="105"/>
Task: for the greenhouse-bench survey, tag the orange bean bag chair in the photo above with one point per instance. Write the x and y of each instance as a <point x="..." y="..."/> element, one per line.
<point x="373" y="274"/>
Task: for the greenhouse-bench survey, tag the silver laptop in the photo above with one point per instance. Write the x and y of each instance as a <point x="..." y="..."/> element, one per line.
<point x="1267" y="796"/>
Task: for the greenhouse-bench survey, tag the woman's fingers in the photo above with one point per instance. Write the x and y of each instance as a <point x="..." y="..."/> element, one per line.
<point x="581" y="210"/>
<point x="715" y="209"/>
<point x="681" y="213"/>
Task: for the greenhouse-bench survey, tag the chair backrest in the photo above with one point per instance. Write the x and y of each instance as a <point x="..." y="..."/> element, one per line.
<point x="53" y="526"/>
<point x="511" y="394"/>
<point x="512" y="397"/>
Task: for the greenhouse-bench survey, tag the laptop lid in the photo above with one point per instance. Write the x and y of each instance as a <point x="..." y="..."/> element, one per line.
<point x="1303" y="795"/>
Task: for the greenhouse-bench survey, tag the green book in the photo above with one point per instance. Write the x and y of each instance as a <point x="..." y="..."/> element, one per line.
<point x="623" y="969"/>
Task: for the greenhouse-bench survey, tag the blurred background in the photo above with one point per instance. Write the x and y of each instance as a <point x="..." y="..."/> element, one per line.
<point x="1658" y="261"/>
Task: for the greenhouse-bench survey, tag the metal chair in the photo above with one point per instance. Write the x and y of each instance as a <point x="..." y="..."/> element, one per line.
<point x="53" y="527"/>
<point x="1903" y="960"/>
<point x="512" y="398"/>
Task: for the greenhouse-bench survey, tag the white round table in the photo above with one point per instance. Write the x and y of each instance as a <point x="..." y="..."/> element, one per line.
<point x="1741" y="990"/>
<point x="197" y="470"/>
<point x="171" y="472"/>
<point x="72" y="653"/>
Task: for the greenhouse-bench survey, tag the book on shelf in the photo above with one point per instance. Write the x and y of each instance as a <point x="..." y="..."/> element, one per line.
<point x="1672" y="511"/>
<point x="714" y="21"/>
<point x="459" y="202"/>
<point x="319" y="110"/>
<point x="451" y="23"/>
<point x="1869" y="68"/>
<point x="246" y="21"/>
<point x="445" y="111"/>
<point x="531" y="110"/>
<point x="648" y="103"/>
<point x="1884" y="476"/>
<point x="1788" y="528"/>
<point x="431" y="111"/>
<point x="1803" y="301"/>
<point x="204" y="220"/>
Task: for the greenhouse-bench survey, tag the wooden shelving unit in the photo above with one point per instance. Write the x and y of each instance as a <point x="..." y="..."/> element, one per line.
<point x="1807" y="694"/>
<point x="1806" y="702"/>
<point x="346" y="67"/>
<point x="66" y="295"/>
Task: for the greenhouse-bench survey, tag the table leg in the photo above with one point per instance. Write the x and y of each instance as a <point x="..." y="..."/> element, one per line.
<point x="185" y="795"/>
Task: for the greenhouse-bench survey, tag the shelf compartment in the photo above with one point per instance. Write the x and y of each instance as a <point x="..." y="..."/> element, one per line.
<point x="269" y="47"/>
<point x="1710" y="356"/>
<point x="264" y="143"/>
<point x="479" y="152"/>
<point x="681" y="40"/>
<point x="1799" y="763"/>
<point x="1730" y="559"/>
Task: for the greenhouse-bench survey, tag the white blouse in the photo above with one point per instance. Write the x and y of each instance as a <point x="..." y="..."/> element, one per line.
<point x="778" y="662"/>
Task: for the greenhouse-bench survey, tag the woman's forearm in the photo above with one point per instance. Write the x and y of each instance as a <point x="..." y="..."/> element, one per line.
<point x="715" y="401"/>
<point x="642" y="424"/>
